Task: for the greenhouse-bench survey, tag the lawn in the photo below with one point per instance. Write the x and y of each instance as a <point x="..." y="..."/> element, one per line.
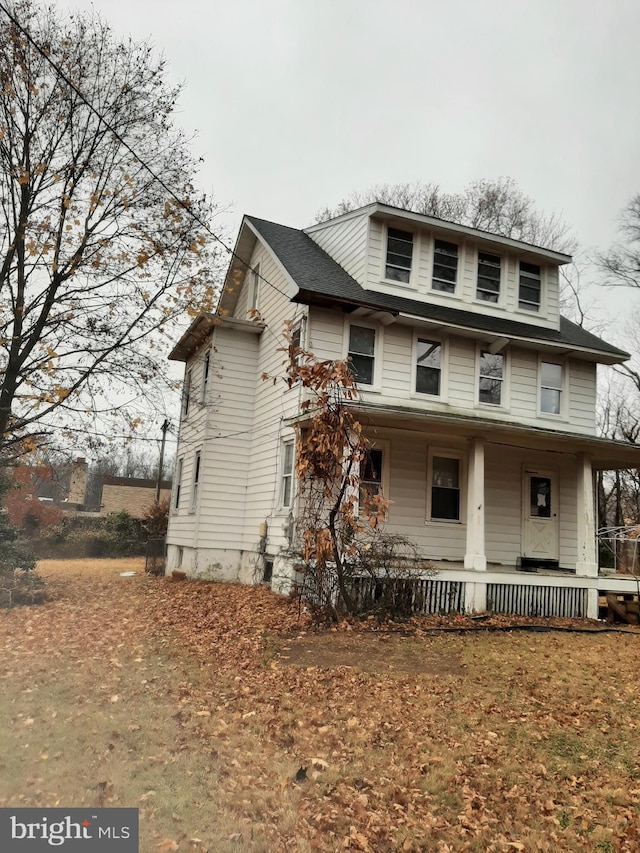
<point x="234" y="726"/>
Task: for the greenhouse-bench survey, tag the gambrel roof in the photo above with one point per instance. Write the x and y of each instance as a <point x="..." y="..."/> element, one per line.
<point x="322" y="281"/>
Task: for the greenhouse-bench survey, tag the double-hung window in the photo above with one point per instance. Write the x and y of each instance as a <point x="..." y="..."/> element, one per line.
<point x="429" y="367"/>
<point x="551" y="381"/>
<point x="399" y="255"/>
<point x="254" y="288"/>
<point x="362" y="345"/>
<point x="205" y="376"/>
<point x="491" y="380"/>
<point x="370" y="480"/>
<point x="488" y="287"/>
<point x="186" y="393"/>
<point x="445" y="488"/>
<point x="286" y="487"/>
<point x="178" y="486"/>
<point x="196" y="480"/>
<point x="530" y="287"/>
<point x="445" y="266"/>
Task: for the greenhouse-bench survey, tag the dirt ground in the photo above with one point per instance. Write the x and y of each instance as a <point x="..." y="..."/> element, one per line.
<point x="233" y="724"/>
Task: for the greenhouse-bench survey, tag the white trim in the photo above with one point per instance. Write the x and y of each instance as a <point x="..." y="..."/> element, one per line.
<point x="460" y="246"/>
<point x="253" y="292"/>
<point x="564" y="390"/>
<point x="415" y="256"/>
<point x="206" y="374"/>
<point x="448" y="453"/>
<point x="378" y="349"/>
<point x="444" y="365"/>
<point x="196" y="480"/>
<point x="177" y="485"/>
<point x="542" y="308"/>
<point x="504" y="404"/>
<point x="503" y="278"/>
<point x="384" y="445"/>
<point x="286" y="442"/>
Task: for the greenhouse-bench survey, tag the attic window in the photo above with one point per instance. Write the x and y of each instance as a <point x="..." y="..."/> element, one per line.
<point x="488" y="288"/>
<point x="445" y="266"/>
<point x="399" y="254"/>
<point x="530" y="287"/>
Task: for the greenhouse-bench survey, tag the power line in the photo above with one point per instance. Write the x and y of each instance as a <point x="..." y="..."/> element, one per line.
<point x="61" y="74"/>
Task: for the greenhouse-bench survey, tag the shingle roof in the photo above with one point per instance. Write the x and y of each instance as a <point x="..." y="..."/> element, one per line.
<point x="321" y="279"/>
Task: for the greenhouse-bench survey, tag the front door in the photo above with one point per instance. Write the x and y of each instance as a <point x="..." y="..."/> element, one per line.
<point x="540" y="515"/>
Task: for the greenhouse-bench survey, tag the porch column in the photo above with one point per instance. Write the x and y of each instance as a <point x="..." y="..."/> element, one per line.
<point x="475" y="557"/>
<point x="587" y="559"/>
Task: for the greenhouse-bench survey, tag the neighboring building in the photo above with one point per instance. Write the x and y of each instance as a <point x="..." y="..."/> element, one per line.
<point x="133" y="494"/>
<point x="479" y="397"/>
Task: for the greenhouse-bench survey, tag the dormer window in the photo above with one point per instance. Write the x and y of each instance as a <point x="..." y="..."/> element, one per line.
<point x="488" y="288"/>
<point x="530" y="287"/>
<point x="399" y="255"/>
<point x="445" y="266"/>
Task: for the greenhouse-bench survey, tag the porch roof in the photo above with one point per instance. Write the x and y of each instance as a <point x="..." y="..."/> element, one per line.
<point x="604" y="453"/>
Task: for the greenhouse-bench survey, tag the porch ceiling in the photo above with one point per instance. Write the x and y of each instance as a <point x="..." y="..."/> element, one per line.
<point x="604" y="454"/>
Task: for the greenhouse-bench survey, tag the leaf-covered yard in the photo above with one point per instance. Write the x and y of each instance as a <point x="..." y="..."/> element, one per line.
<point x="233" y="726"/>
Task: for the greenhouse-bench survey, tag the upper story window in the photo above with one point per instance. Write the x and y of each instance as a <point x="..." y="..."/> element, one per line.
<point x="551" y="384"/>
<point x="530" y="287"/>
<point x="491" y="380"/>
<point x="254" y="288"/>
<point x="445" y="266"/>
<point x="186" y="393"/>
<point x="205" y="376"/>
<point x="429" y="367"/>
<point x="488" y="287"/>
<point x="362" y="345"/>
<point x="399" y="255"/>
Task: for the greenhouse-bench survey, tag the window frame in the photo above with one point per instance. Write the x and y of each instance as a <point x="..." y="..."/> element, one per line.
<point x="195" y="480"/>
<point x="384" y="446"/>
<point x="206" y="370"/>
<point x="385" y="261"/>
<point x="175" y="503"/>
<point x="563" y="389"/>
<point x="186" y="393"/>
<point x="444" y="358"/>
<point x="504" y="388"/>
<point x="284" y="475"/>
<point x="460" y="456"/>
<point x="377" y="350"/>
<point x="254" y="288"/>
<point x="539" y="309"/>
<point x="435" y="289"/>
<point x="501" y="268"/>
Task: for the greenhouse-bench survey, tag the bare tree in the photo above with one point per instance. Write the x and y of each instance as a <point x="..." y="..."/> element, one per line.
<point x="495" y="205"/>
<point x="97" y="256"/>
<point x="621" y="264"/>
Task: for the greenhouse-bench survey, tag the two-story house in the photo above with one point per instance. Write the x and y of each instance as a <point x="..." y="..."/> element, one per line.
<point x="478" y="396"/>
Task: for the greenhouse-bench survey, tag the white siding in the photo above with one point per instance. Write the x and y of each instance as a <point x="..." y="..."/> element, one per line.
<point x="346" y="242"/>
<point x="273" y="404"/>
<point x="582" y="395"/>
<point x="465" y="297"/>
<point x="220" y="430"/>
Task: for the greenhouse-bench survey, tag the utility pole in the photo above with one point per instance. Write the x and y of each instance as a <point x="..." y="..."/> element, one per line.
<point x="164" y="428"/>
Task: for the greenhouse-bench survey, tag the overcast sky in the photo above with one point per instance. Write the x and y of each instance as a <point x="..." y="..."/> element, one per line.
<point x="298" y="102"/>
